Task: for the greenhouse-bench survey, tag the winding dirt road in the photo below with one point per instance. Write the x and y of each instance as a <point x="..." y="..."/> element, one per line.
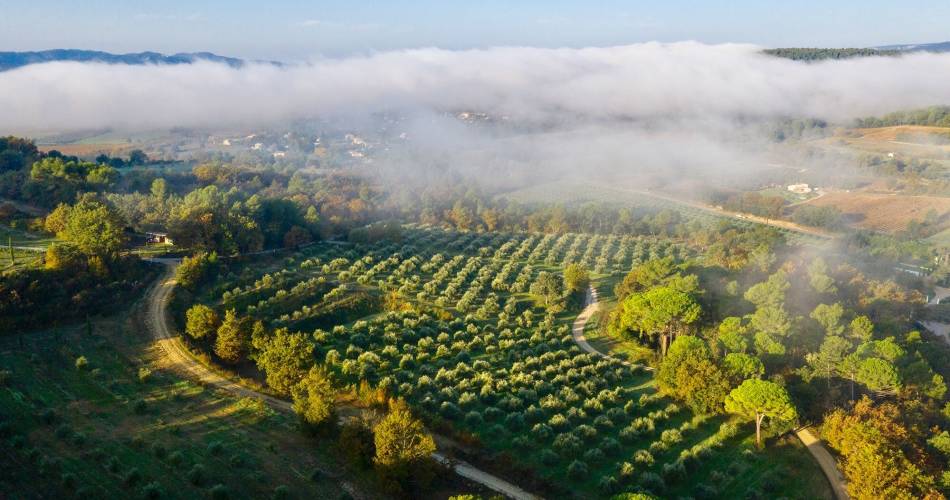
<point x="159" y="325"/>
<point x="814" y="445"/>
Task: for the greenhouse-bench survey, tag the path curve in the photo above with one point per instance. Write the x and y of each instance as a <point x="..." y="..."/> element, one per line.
<point x="814" y="445"/>
<point x="158" y="323"/>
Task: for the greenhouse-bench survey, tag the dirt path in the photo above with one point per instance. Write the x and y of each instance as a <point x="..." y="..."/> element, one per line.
<point x="781" y="224"/>
<point x="814" y="445"/>
<point x="825" y="460"/>
<point x="158" y="323"/>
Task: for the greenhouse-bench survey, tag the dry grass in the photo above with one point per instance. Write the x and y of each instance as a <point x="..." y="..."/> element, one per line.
<point x="89" y="149"/>
<point x="883" y="212"/>
<point x="909" y="141"/>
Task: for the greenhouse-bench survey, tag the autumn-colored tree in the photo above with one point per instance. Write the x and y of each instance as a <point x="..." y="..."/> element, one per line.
<point x="403" y="449"/>
<point x="233" y="338"/>
<point x="284" y="358"/>
<point x="313" y="397"/>
<point x="195" y="269"/>
<point x="297" y="236"/>
<point x="201" y="322"/>
<point x="757" y="399"/>
<point x="93" y="226"/>
<point x="689" y="373"/>
<point x="871" y="439"/>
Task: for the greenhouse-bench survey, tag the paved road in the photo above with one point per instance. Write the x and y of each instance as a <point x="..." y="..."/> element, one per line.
<point x="814" y="445"/>
<point x="159" y="323"/>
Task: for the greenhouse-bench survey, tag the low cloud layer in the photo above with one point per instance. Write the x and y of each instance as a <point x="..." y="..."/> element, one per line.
<point x="670" y="82"/>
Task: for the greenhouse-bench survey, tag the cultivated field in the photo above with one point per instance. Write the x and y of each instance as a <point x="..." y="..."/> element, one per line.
<point x="883" y="212"/>
<point x="450" y="322"/>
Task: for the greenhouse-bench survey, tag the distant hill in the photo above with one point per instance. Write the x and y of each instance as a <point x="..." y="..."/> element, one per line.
<point x="11" y="60"/>
<point x="819" y="54"/>
<point x="919" y="47"/>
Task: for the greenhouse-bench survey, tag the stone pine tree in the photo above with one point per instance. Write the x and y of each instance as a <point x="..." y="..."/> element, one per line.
<point x="757" y="399"/>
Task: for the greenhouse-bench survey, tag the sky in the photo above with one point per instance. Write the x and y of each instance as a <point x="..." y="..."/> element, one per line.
<point x="292" y="30"/>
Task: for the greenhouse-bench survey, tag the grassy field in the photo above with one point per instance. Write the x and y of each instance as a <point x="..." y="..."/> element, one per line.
<point x="21" y="257"/>
<point x="120" y="423"/>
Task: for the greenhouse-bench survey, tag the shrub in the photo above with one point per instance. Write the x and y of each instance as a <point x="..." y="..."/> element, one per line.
<point x="548" y="457"/>
<point x="558" y="422"/>
<point x="48" y="416"/>
<point x="643" y="457"/>
<point x="215" y="448"/>
<point x="158" y="449"/>
<point x="704" y="491"/>
<point x="176" y="458"/>
<point x="17" y="442"/>
<point x="220" y="492"/>
<point x="652" y="482"/>
<point x="132" y="477"/>
<point x="5" y="376"/>
<point x="671" y="436"/>
<point x="69" y="480"/>
<point x="607" y="485"/>
<point x="577" y="470"/>
<point x="48" y="465"/>
<point x="515" y="420"/>
<point x="281" y="493"/>
<point x="140" y="406"/>
<point x="658" y="447"/>
<point x="356" y="441"/>
<point x="196" y="475"/>
<point x="63" y="432"/>
<point x="473" y="418"/>
<point x="610" y="446"/>
<point x="674" y="471"/>
<point x="585" y="432"/>
<point x="79" y="439"/>
<point x="113" y="465"/>
<point x="627" y="471"/>
<point x="567" y="443"/>
<point x="491" y="413"/>
<point x="145" y="375"/>
<point x="82" y="363"/>
<point x="542" y="432"/>
<point x="593" y="455"/>
<point x="152" y="491"/>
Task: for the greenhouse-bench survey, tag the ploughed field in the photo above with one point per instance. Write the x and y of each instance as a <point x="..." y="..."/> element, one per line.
<point x="449" y="321"/>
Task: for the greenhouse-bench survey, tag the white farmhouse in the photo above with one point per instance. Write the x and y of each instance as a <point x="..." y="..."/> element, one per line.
<point x="799" y="188"/>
